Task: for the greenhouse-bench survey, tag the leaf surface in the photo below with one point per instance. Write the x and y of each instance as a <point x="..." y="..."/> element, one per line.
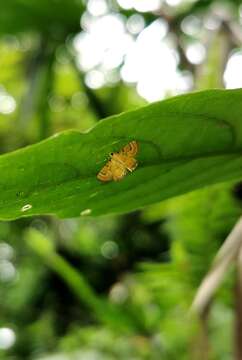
<point x="185" y="143"/>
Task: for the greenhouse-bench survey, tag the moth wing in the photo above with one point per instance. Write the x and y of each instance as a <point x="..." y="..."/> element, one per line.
<point x="130" y="163"/>
<point x="131" y="149"/>
<point x="118" y="171"/>
<point x="105" y="174"/>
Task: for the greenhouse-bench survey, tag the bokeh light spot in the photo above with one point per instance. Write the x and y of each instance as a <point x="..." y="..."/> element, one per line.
<point x="109" y="249"/>
<point x="7" y="104"/>
<point x="7" y="338"/>
<point x="97" y="7"/>
<point x="94" y="79"/>
<point x="196" y="53"/>
<point x="7" y="271"/>
<point x="135" y="24"/>
<point x="118" y="293"/>
<point x="232" y="74"/>
<point x="6" y="251"/>
<point x="126" y="4"/>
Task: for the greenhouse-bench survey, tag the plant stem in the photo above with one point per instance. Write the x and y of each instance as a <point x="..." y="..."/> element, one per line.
<point x="225" y="257"/>
<point x="238" y="309"/>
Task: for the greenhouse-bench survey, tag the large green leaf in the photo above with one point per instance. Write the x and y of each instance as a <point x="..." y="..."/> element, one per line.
<point x="186" y="142"/>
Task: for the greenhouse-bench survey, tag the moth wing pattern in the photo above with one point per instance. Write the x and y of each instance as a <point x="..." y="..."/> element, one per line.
<point x="118" y="170"/>
<point x="105" y="174"/>
<point x="131" y="149"/>
<point x="130" y="163"/>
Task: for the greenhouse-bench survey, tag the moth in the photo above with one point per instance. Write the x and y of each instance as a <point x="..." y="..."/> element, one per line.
<point x="120" y="163"/>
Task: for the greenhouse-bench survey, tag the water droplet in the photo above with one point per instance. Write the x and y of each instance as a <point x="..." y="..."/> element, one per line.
<point x="26" y="207"/>
<point x="86" y="212"/>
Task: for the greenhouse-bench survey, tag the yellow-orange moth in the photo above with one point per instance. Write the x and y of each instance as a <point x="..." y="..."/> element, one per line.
<point x="120" y="163"/>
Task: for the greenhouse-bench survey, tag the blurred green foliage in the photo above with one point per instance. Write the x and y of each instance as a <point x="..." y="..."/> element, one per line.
<point x="115" y="287"/>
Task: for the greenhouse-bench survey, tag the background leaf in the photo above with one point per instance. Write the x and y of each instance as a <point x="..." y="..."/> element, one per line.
<point x="185" y="142"/>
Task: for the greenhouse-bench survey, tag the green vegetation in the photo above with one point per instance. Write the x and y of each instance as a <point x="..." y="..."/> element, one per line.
<point x="184" y="143"/>
<point x="75" y="82"/>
